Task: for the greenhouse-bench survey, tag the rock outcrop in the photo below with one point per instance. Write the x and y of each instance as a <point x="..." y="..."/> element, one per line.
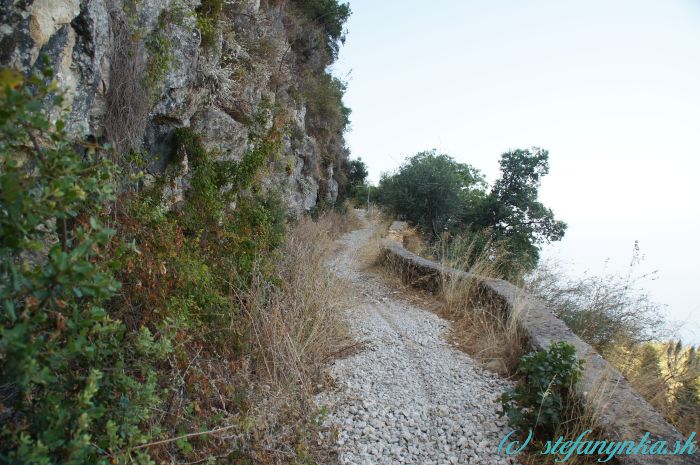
<point x="134" y="71"/>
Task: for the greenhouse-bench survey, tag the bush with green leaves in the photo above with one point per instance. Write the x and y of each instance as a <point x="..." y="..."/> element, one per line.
<point x="438" y="194"/>
<point x="76" y="386"/>
<point x="326" y="113"/>
<point x="356" y="181"/>
<point x="209" y="14"/>
<point x="431" y="190"/>
<point x="541" y="400"/>
<point x="331" y="16"/>
<point x="513" y="212"/>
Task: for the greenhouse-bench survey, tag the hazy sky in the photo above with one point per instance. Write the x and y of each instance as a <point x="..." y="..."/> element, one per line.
<point x="609" y="87"/>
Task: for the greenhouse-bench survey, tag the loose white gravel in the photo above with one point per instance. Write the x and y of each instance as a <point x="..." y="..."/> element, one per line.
<point x="408" y="397"/>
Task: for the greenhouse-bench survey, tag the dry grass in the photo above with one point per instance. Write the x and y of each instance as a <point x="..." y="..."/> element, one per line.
<point x="253" y="397"/>
<point x="296" y="329"/>
<point x="127" y="96"/>
<point x="616" y="316"/>
<point x="662" y="377"/>
<point x="488" y="333"/>
<point x="335" y="223"/>
<point x="481" y="327"/>
<point x="368" y="255"/>
<point x="413" y="240"/>
<point x="486" y="330"/>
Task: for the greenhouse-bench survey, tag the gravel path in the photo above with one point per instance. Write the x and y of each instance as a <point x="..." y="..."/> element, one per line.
<point x="408" y="397"/>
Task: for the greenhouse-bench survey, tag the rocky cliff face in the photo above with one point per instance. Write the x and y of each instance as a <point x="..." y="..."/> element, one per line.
<point x="135" y="70"/>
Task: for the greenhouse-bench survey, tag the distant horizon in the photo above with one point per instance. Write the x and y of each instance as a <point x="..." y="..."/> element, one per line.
<point x="609" y="90"/>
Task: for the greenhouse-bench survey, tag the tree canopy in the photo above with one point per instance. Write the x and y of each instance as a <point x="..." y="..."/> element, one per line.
<point x="512" y="209"/>
<point x="438" y="194"/>
<point x="430" y="190"/>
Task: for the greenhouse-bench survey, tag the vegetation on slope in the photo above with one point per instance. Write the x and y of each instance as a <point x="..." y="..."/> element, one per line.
<point x="615" y="315"/>
<point x="131" y="332"/>
<point x="441" y="196"/>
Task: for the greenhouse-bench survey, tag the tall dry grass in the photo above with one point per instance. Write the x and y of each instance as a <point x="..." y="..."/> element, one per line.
<point x="127" y="96"/>
<point x="367" y="256"/>
<point x="492" y="334"/>
<point x="487" y="333"/>
<point x="481" y="327"/>
<point x="667" y="376"/>
<point x="297" y="324"/>
<point x="615" y="314"/>
<point x="296" y="328"/>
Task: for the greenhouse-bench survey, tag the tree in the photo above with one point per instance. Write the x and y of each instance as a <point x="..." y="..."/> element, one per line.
<point x="513" y="211"/>
<point x="431" y="190"/>
<point x="355" y="186"/>
<point x="357" y="173"/>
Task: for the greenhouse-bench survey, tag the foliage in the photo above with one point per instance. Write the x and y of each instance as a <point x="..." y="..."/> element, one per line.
<point x="615" y="315"/>
<point x="512" y="211"/>
<point x="213" y="241"/>
<point x="431" y="190"/>
<point x="192" y="270"/>
<point x="355" y="187"/>
<point x="331" y="16"/>
<point x="71" y="387"/>
<point x="326" y="113"/>
<point x="159" y="48"/>
<point x="541" y="400"/>
<point x="439" y="195"/>
<point x="357" y="172"/>
<point x="208" y="17"/>
<point x="471" y="251"/>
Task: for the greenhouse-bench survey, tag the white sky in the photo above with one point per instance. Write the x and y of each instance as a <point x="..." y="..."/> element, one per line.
<point x="609" y="87"/>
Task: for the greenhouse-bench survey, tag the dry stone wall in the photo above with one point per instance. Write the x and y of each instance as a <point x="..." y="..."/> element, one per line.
<point x="623" y="413"/>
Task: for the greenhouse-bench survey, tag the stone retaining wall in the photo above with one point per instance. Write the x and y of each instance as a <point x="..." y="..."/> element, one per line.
<point x="623" y="413"/>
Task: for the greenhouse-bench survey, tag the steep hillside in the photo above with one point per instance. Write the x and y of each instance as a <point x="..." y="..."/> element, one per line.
<point x="133" y="71"/>
<point x="163" y="297"/>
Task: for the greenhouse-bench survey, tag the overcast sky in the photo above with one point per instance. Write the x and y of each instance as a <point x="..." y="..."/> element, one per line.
<point x="609" y="87"/>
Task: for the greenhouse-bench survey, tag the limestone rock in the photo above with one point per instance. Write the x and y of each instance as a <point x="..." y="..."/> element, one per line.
<point x="212" y="123"/>
<point x="216" y="90"/>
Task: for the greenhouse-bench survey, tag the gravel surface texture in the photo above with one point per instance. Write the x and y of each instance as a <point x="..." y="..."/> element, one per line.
<point x="408" y="397"/>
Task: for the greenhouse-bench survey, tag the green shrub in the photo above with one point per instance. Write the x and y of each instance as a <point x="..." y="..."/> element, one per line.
<point x="540" y="401"/>
<point x="438" y="194"/>
<point x="430" y="190"/>
<point x="513" y="211"/>
<point x="208" y="17"/>
<point x="326" y="112"/>
<point x="76" y="386"/>
<point x="331" y="16"/>
<point x="159" y="49"/>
